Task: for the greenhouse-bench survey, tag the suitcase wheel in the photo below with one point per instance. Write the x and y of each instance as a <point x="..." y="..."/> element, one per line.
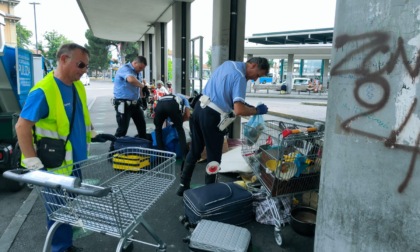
<point x="187" y="239"/>
<point x="187" y="225"/>
<point x="182" y="219"/>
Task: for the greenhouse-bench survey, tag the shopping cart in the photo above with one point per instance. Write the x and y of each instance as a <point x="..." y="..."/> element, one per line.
<point x="286" y="158"/>
<point x="104" y="199"/>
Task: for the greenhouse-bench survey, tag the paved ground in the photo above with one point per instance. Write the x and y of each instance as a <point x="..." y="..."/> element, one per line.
<point x="22" y="215"/>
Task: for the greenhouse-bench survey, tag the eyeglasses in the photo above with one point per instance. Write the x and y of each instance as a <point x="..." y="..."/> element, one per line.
<point x="82" y="65"/>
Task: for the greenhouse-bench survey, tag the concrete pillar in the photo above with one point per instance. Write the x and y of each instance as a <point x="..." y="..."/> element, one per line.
<point x="228" y="39"/>
<point x="369" y="194"/>
<point x="301" y="67"/>
<point x="290" y="64"/>
<point x="148" y="53"/>
<point x="181" y="32"/>
<point x="221" y="27"/>
<point x="326" y="66"/>
<point x="281" y="70"/>
<point x="161" y="52"/>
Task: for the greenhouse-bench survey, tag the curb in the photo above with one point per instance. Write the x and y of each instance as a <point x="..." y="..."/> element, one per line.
<point x="295" y="118"/>
<point x="289" y="96"/>
<point x="14" y="226"/>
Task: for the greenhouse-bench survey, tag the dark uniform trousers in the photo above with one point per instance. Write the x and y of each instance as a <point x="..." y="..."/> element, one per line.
<point x="169" y="108"/>
<point x="203" y="126"/>
<point x="123" y="119"/>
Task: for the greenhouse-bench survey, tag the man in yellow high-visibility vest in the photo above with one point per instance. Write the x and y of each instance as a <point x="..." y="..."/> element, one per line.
<point x="49" y="107"/>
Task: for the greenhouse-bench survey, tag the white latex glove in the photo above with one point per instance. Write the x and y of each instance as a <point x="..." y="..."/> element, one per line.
<point x="93" y="133"/>
<point x="33" y="163"/>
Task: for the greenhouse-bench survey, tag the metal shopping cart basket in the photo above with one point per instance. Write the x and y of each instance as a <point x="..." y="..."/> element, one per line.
<point x="100" y="198"/>
<point x="286" y="158"/>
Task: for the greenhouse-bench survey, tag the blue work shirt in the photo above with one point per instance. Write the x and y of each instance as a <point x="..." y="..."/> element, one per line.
<point x="227" y="85"/>
<point x="184" y="100"/>
<point x="123" y="89"/>
<point x="36" y="108"/>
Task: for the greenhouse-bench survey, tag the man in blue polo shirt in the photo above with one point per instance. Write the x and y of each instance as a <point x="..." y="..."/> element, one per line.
<point x="128" y="82"/>
<point x="223" y="99"/>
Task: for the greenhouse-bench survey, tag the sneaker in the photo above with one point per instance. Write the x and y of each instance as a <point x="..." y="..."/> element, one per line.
<point x="73" y="249"/>
<point x="181" y="189"/>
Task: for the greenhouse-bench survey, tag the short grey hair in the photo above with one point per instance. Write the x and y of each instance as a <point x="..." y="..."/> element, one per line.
<point x="69" y="48"/>
<point x="261" y="62"/>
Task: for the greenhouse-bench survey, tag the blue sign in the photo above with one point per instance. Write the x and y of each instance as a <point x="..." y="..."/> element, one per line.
<point x="24" y="71"/>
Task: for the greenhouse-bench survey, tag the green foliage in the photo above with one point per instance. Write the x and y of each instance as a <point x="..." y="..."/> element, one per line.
<point x="170" y="69"/>
<point x="23" y="36"/>
<point x="54" y="41"/>
<point x="99" y="52"/>
<point x="130" y="50"/>
<point x="194" y="65"/>
<point x="208" y="52"/>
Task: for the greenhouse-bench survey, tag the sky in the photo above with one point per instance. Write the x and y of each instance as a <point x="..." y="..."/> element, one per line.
<point x="65" y="17"/>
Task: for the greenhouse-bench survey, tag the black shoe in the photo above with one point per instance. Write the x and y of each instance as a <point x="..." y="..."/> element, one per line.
<point x="73" y="249"/>
<point x="181" y="189"/>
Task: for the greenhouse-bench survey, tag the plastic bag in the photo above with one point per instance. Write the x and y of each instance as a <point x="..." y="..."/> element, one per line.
<point x="170" y="139"/>
<point x="254" y="128"/>
<point x="264" y="210"/>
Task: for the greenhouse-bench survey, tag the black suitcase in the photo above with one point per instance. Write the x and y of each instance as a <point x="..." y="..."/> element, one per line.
<point x="223" y="202"/>
<point x="126" y="141"/>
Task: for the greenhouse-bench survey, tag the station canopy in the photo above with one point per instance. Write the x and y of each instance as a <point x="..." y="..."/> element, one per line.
<point x="314" y="36"/>
<point x="303" y="44"/>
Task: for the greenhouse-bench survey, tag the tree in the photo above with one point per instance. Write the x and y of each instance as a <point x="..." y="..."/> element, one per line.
<point x="99" y="52"/>
<point x="23" y="36"/>
<point x="130" y="50"/>
<point x="170" y="69"/>
<point x="54" y="41"/>
<point x="208" y="52"/>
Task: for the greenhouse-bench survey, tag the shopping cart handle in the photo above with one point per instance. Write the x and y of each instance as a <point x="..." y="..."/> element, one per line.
<point x="93" y="191"/>
<point x="288" y="132"/>
<point x="55" y="181"/>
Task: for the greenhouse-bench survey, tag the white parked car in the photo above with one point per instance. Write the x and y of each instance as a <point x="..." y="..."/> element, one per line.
<point x="85" y="79"/>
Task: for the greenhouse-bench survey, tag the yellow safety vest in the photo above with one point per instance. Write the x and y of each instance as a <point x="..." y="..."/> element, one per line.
<point x="57" y="125"/>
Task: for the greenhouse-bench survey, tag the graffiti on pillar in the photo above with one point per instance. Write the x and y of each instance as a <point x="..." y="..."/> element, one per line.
<point x="367" y="49"/>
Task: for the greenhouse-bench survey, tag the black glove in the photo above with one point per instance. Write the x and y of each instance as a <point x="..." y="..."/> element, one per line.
<point x="102" y="138"/>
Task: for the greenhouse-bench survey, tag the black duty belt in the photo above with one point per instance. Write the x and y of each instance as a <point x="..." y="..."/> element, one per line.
<point x="128" y="102"/>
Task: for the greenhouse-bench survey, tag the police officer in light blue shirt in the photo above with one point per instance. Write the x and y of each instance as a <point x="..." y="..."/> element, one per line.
<point x="128" y="82"/>
<point x="223" y="95"/>
<point x="177" y="108"/>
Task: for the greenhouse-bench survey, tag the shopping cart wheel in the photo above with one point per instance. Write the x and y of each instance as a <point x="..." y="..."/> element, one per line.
<point x="128" y="247"/>
<point x="277" y="236"/>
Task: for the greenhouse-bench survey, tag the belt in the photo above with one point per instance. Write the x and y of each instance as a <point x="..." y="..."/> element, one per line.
<point x="215" y="108"/>
<point x="170" y="98"/>
<point x="166" y="98"/>
<point x="128" y="102"/>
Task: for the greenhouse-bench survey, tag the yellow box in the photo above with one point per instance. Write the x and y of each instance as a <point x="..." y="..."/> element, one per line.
<point x="130" y="162"/>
